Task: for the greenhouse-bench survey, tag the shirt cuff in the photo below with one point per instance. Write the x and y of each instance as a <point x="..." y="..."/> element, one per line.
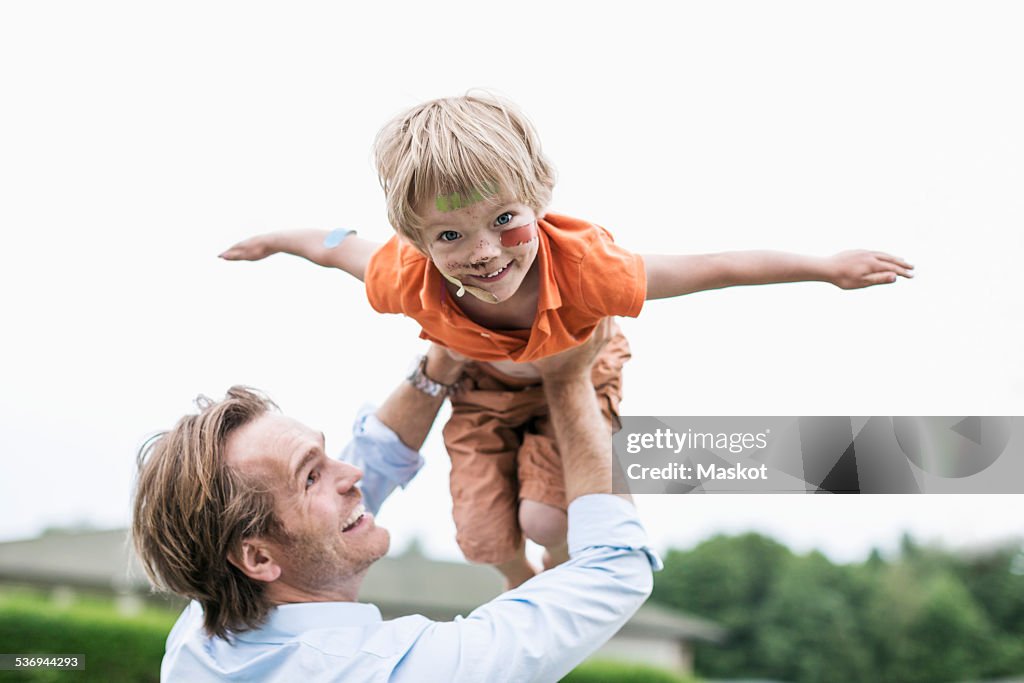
<point x="602" y="519"/>
<point x="391" y="458"/>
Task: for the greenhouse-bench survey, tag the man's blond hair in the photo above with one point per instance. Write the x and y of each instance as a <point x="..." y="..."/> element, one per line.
<point x="191" y="509"/>
<point x="459" y="145"/>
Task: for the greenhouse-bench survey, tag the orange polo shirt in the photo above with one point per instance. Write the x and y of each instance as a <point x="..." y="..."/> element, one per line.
<point x="584" y="278"/>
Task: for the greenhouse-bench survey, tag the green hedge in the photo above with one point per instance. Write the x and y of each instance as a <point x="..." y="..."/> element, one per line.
<point x="600" y="671"/>
<point x="116" y="647"/>
<point x="129" y="648"/>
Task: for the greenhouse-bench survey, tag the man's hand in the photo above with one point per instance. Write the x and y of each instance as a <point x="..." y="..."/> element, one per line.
<point x="858" y="268"/>
<point x="252" y="249"/>
<point x="575" y="362"/>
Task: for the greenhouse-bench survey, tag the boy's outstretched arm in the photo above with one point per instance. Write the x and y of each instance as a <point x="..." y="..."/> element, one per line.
<point x="351" y="255"/>
<point x="684" y="274"/>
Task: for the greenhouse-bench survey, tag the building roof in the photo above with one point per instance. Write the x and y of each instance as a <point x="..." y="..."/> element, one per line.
<point x="410" y="583"/>
<point x="86" y="559"/>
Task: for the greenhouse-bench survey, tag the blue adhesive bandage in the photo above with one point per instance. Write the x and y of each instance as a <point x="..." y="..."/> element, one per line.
<point x="336" y="237"/>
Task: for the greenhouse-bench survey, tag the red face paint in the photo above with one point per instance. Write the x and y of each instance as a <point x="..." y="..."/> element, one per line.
<point x="519" y="236"/>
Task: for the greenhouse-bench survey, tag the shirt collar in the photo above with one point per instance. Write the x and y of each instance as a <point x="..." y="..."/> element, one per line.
<point x="288" y="621"/>
<point x="549" y="297"/>
<point x="433" y="290"/>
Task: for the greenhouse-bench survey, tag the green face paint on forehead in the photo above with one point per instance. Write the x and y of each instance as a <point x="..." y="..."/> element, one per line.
<point x="459" y="200"/>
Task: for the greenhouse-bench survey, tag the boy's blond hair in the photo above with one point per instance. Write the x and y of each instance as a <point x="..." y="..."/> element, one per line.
<point x="462" y="145"/>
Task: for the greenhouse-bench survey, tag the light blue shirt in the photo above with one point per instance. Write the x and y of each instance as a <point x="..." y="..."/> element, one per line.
<point x="537" y="632"/>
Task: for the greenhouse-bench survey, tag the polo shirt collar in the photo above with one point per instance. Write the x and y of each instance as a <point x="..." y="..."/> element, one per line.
<point x="432" y="290"/>
<point x="549" y="297"/>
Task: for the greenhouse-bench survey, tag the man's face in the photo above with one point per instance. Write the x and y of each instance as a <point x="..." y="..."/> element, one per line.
<point x="466" y="243"/>
<point x="331" y="537"/>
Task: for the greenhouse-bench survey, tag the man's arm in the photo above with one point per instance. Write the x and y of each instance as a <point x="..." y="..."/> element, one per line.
<point x="351" y="255"/>
<point x="583" y="435"/>
<point x="385" y="444"/>
<point x="669" y="276"/>
<point x="409" y="412"/>
<point x="544" y="628"/>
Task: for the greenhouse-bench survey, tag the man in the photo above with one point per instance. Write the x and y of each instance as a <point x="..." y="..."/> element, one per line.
<point x="239" y="509"/>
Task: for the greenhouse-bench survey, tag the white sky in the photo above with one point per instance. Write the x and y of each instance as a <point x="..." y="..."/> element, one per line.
<point x="138" y="140"/>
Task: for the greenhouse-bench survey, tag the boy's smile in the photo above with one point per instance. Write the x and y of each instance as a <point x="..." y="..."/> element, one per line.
<point x="493" y="276"/>
<point x="487" y="247"/>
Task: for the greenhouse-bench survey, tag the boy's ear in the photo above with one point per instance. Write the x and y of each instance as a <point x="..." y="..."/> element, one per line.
<point x="256" y="560"/>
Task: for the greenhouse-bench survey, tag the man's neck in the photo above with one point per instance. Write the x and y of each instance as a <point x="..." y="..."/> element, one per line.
<point x="346" y="590"/>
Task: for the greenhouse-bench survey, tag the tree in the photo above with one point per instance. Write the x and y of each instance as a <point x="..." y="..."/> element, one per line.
<point x="948" y="637"/>
<point x="808" y="631"/>
<point x="928" y="616"/>
<point x="724" y="579"/>
<point x="995" y="579"/>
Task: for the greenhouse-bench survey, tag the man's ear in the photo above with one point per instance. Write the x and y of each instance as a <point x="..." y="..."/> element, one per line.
<point x="255" y="559"/>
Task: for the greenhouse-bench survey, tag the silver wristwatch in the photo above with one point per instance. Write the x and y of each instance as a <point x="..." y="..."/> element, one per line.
<point x="418" y="378"/>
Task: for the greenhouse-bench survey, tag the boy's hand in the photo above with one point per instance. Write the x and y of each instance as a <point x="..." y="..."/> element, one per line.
<point x="252" y="249"/>
<point x="351" y="254"/>
<point x="859" y="268"/>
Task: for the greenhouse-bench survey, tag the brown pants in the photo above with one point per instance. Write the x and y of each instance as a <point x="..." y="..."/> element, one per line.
<point x="503" y="450"/>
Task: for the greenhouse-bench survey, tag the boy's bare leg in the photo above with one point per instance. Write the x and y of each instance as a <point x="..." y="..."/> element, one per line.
<point x="555" y="556"/>
<point x="518" y="570"/>
<point x="545" y="525"/>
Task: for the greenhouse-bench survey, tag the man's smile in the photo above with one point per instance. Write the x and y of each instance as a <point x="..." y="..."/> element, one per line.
<point x="354" y="518"/>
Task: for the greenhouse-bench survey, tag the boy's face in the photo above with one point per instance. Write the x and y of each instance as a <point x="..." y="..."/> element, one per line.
<point x="489" y="245"/>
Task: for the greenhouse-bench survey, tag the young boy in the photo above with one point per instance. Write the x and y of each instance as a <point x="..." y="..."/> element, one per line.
<point x="467" y="190"/>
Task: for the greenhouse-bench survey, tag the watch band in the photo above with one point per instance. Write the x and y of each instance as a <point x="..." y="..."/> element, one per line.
<point x="418" y="378"/>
